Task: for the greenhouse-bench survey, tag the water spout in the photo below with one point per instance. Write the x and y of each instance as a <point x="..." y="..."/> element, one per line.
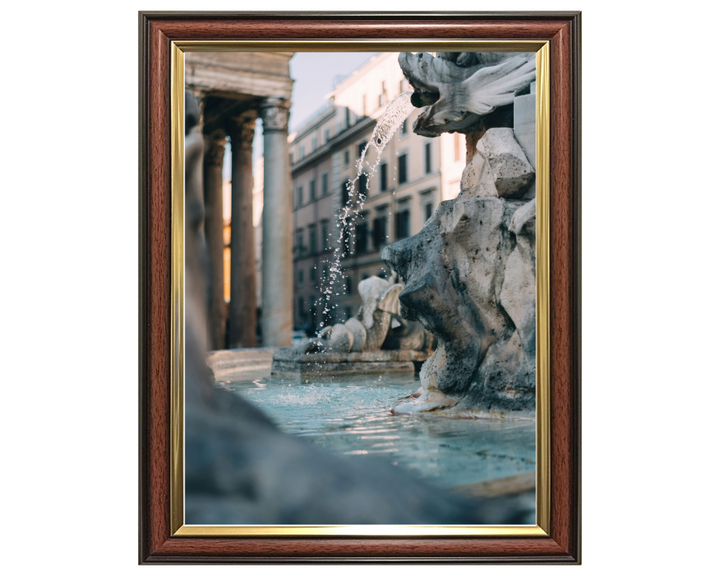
<point x="396" y="113"/>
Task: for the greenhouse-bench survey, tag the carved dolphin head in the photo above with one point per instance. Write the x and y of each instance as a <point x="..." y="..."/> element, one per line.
<point x="455" y="97"/>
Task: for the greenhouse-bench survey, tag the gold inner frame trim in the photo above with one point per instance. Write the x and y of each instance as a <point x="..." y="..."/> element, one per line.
<point x="177" y="288"/>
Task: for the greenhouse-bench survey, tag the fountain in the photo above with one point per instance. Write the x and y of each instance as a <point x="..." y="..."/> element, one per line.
<point x="377" y="340"/>
<point x="465" y="305"/>
<point x="470" y="273"/>
<point x="240" y="468"/>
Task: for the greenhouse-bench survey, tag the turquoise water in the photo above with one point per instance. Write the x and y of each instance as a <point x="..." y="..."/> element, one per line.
<point x="351" y="415"/>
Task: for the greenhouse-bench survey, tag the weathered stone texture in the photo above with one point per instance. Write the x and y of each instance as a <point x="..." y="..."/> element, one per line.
<point x="459" y="94"/>
<point x="353" y="347"/>
<point x="470" y="280"/>
<point x="500" y="167"/>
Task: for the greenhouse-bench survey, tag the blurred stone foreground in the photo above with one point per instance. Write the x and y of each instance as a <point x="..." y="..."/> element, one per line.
<point x="241" y="469"/>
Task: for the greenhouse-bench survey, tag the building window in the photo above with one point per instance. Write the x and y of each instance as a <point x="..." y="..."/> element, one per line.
<point x="402" y="224"/>
<point x="348" y="313"/>
<point x="312" y="190"/>
<point x="428" y="211"/>
<point x="363" y="184"/>
<point x="379" y="232"/>
<point x="327" y="135"/>
<point x="347" y="117"/>
<point x="364" y="104"/>
<point x="324" y="184"/>
<point x="457" y="146"/>
<point x="325" y="273"/>
<point x="365" y="276"/>
<point x="313" y="143"/>
<point x="300" y="196"/>
<point x="301" y="277"/>
<point x="402" y="169"/>
<point x="428" y="158"/>
<point x="302" y="151"/>
<point x="313" y="275"/>
<point x="313" y="239"/>
<point x="292" y="156"/>
<point x="300" y="247"/>
<point x="301" y="307"/>
<point x="403" y="127"/>
<point x="361" y="238"/>
<point x="348" y="285"/>
<point x="383" y="177"/>
<point x="325" y="236"/>
<point x="361" y="147"/>
<point x="347" y="157"/>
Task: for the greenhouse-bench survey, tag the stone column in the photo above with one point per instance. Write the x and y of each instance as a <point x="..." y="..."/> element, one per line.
<point x="277" y="226"/>
<point x="213" y="180"/>
<point x="243" y="301"/>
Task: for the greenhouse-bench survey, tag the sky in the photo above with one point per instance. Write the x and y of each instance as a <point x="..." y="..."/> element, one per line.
<point x="315" y="75"/>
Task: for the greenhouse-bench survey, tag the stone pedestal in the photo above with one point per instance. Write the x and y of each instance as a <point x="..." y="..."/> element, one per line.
<point x="243" y="300"/>
<point x="277" y="226"/>
<point x="293" y="362"/>
<point x="212" y="172"/>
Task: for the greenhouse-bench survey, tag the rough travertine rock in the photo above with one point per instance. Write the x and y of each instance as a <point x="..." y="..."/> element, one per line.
<point x="470" y="273"/>
<point x="499" y="168"/>
<point x="470" y="280"/>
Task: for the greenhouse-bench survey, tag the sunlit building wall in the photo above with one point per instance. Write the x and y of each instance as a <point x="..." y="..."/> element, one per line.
<point x="413" y="176"/>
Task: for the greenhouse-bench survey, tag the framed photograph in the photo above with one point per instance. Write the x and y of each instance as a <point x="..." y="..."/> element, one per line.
<point x="359" y="287"/>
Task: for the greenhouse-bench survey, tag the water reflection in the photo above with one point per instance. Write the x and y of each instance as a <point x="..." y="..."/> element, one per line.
<point x="349" y="415"/>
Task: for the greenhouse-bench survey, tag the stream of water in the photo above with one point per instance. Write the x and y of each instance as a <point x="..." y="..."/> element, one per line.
<point x="396" y="113"/>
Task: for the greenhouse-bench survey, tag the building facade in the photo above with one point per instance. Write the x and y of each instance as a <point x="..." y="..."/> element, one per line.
<point x="412" y="176"/>
<point x="233" y="90"/>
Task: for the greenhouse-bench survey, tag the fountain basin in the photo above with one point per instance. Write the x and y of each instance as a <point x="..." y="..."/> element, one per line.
<point x="351" y="415"/>
<point x="293" y="362"/>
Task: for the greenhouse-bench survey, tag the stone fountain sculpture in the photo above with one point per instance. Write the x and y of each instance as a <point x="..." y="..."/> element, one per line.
<point x="457" y="89"/>
<point x="377" y="340"/>
<point x="241" y="469"/>
<point x="470" y="273"/>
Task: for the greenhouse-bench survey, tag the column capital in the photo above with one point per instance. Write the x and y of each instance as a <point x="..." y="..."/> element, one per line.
<point x="275" y="114"/>
<point x="215" y="147"/>
<point x="242" y="131"/>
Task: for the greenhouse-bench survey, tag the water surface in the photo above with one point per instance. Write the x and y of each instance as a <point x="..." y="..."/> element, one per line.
<point x="351" y="415"/>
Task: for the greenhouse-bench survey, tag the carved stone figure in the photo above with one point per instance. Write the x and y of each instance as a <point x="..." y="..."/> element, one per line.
<point x="457" y="96"/>
<point x="377" y="340"/>
<point x="470" y="273"/>
<point x="377" y="325"/>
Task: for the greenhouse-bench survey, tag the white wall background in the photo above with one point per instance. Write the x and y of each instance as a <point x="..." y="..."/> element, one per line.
<point x="68" y="308"/>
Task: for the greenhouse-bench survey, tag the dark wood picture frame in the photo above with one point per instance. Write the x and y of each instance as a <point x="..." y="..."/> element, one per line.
<point x="157" y="31"/>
